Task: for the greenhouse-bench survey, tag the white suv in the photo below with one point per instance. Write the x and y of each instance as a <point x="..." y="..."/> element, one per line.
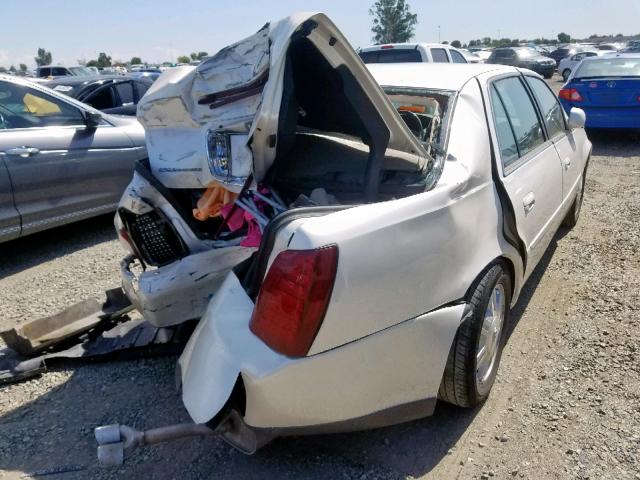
<point x="412" y="52"/>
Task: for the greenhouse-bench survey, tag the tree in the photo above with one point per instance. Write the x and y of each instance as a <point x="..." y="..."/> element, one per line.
<point x="23" y="68"/>
<point x="393" y="22"/>
<point x="184" y="59"/>
<point x="12" y="69"/>
<point x="564" y="38"/>
<point x="456" y="44"/>
<point x="43" y="58"/>
<point x="472" y="43"/>
<point x="135" y="60"/>
<point x="104" y="60"/>
<point x="486" y="41"/>
<point x="194" y="56"/>
<point x="201" y="55"/>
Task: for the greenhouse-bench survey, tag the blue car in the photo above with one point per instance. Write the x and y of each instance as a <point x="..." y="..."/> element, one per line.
<point x="607" y="88"/>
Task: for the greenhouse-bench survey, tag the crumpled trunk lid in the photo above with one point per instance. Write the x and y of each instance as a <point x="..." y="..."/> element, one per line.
<point x="239" y="90"/>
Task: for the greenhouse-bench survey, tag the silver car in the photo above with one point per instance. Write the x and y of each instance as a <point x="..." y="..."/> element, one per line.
<point x="60" y="160"/>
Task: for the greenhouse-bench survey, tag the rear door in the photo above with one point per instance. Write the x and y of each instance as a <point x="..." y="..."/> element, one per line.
<point x="9" y="217"/>
<point x="529" y="164"/>
<point x="60" y="169"/>
<point x="564" y="140"/>
<point x="124" y="99"/>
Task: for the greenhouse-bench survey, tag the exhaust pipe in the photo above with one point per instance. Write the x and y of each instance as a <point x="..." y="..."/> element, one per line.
<point x="114" y="441"/>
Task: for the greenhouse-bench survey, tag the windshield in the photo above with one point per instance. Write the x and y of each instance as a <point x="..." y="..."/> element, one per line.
<point x="426" y="113"/>
<point x="527" y="52"/>
<point x="81" y="71"/>
<point x="609" y="67"/>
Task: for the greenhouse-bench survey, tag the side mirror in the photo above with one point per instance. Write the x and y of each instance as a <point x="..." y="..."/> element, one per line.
<point x="92" y="119"/>
<point x="577" y="118"/>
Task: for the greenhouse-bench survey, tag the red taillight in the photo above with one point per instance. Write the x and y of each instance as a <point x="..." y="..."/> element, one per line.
<point x="293" y="299"/>
<point x="386" y="47"/>
<point x="570" y="94"/>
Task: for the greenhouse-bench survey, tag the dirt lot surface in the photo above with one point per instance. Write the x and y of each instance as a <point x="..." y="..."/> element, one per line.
<point x="566" y="403"/>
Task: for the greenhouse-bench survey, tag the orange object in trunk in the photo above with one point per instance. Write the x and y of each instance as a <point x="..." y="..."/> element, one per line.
<point x="212" y="201"/>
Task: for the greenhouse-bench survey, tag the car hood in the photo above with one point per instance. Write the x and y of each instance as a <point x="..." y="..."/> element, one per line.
<point x="239" y="90"/>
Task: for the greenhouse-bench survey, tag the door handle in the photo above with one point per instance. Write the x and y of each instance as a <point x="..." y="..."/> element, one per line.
<point x="23" y="152"/>
<point x="528" y="201"/>
<point x="567" y="163"/>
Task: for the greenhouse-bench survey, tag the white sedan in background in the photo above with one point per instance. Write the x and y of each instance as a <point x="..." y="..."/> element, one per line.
<point x="447" y="185"/>
<point x="568" y="64"/>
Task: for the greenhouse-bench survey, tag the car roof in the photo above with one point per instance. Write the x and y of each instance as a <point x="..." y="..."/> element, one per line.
<point x="400" y="46"/>
<point x="73" y="80"/>
<point x="612" y="55"/>
<point x="440" y="76"/>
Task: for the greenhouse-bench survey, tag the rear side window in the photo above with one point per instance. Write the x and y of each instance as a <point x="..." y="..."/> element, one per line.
<point x="59" y="71"/>
<point x="457" y="57"/>
<point x="549" y="105"/>
<point x="125" y="91"/>
<point x="439" y="55"/>
<point x="392" y="55"/>
<point x="520" y="114"/>
<point x="102" y="98"/>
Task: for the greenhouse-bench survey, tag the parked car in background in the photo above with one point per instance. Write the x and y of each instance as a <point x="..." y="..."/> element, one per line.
<point x="470" y="57"/>
<point x="523" y="57"/>
<point x="411" y="52"/>
<point x="564" y="52"/>
<point x="60" y="160"/>
<point x="608" y="47"/>
<point x="470" y="168"/>
<point x="483" y="52"/>
<point x="568" y="64"/>
<point x="61" y="71"/>
<point x="607" y="88"/>
<point x="149" y="73"/>
<point x="111" y="94"/>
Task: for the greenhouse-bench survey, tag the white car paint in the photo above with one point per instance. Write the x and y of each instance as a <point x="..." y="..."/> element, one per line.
<point x="426" y="50"/>
<point x="569" y="64"/>
<point x="437" y="251"/>
<point x="405" y="265"/>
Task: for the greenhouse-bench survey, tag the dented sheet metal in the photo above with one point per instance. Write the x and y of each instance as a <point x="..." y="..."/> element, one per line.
<point x="184" y="105"/>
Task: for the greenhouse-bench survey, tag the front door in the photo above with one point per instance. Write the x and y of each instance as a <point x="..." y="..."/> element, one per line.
<point x="531" y="169"/>
<point x="60" y="169"/>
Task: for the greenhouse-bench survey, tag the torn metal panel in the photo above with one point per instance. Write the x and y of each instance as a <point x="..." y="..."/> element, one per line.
<point x="181" y="290"/>
<point x="181" y="108"/>
<point x="132" y="338"/>
<point x="42" y="333"/>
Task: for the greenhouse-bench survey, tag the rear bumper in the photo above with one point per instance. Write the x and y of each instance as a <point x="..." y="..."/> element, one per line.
<point x="179" y="291"/>
<point x="385" y="378"/>
<point x="608" y="117"/>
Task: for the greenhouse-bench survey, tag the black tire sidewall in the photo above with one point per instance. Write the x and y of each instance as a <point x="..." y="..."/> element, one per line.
<point x="498" y="275"/>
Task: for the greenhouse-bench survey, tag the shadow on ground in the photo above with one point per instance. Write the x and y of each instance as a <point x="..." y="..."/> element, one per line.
<point x="615" y="143"/>
<point x="23" y="253"/>
<point x="54" y="430"/>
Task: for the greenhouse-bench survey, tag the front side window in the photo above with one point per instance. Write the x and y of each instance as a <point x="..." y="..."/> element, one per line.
<point x="520" y="113"/>
<point x="457" y="57"/>
<point x="23" y="107"/>
<point x="102" y="98"/>
<point x="549" y="105"/>
<point x="439" y="55"/>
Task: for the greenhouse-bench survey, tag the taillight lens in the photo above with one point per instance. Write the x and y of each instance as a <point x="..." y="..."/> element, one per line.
<point x="570" y="94"/>
<point x="293" y="299"/>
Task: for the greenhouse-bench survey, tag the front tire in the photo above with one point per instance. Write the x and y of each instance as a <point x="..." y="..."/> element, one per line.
<point x="477" y="347"/>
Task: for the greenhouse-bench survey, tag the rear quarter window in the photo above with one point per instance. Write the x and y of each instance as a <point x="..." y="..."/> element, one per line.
<point x="439" y="55"/>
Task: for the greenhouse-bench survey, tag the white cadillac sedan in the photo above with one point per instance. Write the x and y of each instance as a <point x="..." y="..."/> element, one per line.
<point x="393" y="227"/>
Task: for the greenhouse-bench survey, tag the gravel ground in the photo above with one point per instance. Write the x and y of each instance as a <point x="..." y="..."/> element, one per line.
<point x="566" y="403"/>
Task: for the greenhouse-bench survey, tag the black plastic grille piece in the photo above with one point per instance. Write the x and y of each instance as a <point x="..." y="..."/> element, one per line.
<point x="156" y="239"/>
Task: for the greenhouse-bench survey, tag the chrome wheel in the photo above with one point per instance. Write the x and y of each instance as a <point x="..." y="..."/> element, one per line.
<point x="489" y="342"/>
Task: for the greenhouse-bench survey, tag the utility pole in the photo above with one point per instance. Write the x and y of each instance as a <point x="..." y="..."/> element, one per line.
<point x="438" y="33"/>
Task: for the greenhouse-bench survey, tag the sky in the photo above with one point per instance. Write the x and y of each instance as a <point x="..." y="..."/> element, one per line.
<point x="159" y="30"/>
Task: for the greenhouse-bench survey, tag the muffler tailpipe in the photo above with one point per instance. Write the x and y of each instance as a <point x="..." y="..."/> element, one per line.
<point x="114" y="441"/>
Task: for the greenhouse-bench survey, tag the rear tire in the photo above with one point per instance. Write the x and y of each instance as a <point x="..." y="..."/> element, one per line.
<point x="565" y="74"/>
<point x="471" y="371"/>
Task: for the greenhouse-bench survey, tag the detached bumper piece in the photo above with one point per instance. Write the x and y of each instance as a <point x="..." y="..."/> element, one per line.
<point x="87" y="331"/>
